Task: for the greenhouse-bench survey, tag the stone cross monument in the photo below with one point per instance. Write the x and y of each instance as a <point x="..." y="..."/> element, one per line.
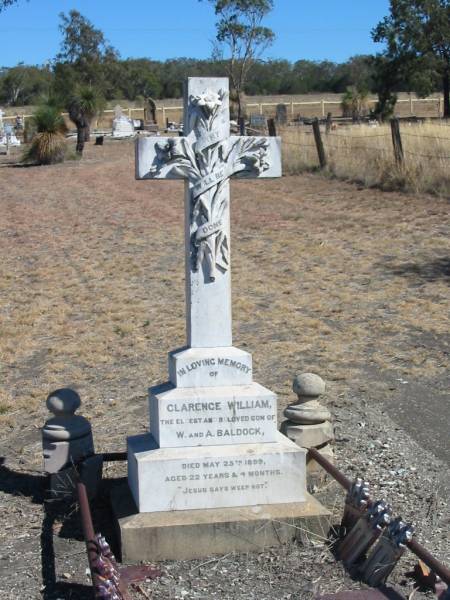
<point x="213" y="438"/>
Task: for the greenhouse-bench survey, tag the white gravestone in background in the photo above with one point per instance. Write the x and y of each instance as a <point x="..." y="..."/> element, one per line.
<point x="7" y="135"/>
<point x="122" y="126"/>
<point x="213" y="438"/>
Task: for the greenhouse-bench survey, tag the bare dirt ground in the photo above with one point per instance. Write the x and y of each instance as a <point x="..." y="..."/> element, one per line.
<point x="350" y="283"/>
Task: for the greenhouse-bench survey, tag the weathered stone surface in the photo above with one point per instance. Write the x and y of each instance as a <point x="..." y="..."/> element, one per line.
<point x="164" y="479"/>
<point x="308" y="385"/>
<point x="206" y="158"/>
<point x="59" y="454"/>
<point x="184" y="467"/>
<point x="240" y="414"/>
<point x="210" y="367"/>
<point x="307" y="436"/>
<point x="122" y="126"/>
<point x="66" y="438"/>
<point x="307" y="413"/>
<point x="182" y="535"/>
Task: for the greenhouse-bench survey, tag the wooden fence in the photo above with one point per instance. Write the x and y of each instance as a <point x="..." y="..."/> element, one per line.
<point x="420" y="107"/>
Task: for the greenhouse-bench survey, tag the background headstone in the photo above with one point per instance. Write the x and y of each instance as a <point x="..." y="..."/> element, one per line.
<point x="281" y="115"/>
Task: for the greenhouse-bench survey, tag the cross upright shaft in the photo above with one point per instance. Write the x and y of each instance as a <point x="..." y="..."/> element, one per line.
<point x="206" y="158"/>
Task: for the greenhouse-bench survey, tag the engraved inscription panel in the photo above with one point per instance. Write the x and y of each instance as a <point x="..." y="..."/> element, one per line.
<point x="215" y="416"/>
<point x="229" y="476"/>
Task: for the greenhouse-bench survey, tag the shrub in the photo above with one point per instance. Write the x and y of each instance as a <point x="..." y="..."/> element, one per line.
<point x="48" y="145"/>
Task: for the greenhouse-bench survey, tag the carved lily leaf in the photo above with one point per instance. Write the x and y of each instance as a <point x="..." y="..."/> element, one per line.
<point x="252" y="157"/>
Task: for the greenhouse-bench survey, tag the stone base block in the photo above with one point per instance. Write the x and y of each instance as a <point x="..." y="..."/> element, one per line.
<point x="167" y="479"/>
<point x="184" y="535"/>
<point x="238" y="414"/>
<point x="307" y="436"/>
<point x="210" y="367"/>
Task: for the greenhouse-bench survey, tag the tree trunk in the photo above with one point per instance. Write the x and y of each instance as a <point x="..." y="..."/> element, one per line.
<point x="239" y="115"/>
<point x="87" y="132"/>
<point x="81" y="135"/>
<point x="446" y="90"/>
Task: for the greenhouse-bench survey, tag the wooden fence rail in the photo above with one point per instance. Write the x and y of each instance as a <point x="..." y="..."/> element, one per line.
<point x="320" y="108"/>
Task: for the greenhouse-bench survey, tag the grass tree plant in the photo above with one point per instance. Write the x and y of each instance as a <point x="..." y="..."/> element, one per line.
<point x="83" y="106"/>
<point x="48" y="145"/>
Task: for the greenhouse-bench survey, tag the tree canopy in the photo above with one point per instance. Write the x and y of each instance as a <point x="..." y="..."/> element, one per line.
<point x="87" y="59"/>
<point x="241" y="33"/>
<point x="417" y="35"/>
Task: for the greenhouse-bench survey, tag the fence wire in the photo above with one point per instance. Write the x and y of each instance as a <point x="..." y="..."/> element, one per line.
<point x="369" y="148"/>
<point x="429" y="137"/>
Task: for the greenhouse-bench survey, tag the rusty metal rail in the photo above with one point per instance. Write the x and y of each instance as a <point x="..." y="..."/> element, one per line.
<point x="420" y="551"/>
<point x="108" y="580"/>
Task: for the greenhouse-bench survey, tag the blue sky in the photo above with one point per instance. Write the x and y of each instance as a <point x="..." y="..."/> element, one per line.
<point x="325" y="29"/>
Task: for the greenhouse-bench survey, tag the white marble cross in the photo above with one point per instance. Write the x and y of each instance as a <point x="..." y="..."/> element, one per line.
<point x="206" y="158"/>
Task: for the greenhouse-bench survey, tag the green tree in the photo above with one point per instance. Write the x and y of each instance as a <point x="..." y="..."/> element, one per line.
<point x="5" y="3"/>
<point x="138" y="78"/>
<point x="239" y="30"/>
<point x="84" y="58"/>
<point x="388" y="77"/>
<point x="355" y="103"/>
<point x="417" y="33"/>
<point x="24" y="84"/>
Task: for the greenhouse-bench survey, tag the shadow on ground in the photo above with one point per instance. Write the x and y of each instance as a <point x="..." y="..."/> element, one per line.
<point x="425" y="271"/>
<point x="55" y="512"/>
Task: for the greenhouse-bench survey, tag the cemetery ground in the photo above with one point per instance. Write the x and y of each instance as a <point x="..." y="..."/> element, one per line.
<point x="329" y="277"/>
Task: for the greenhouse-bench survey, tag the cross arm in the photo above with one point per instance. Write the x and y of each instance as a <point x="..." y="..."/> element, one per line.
<point x="256" y="157"/>
<point x="163" y="158"/>
<point x="180" y="158"/>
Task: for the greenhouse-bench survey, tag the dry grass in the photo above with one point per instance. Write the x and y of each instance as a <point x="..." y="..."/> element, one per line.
<point x="326" y="277"/>
<point x="364" y="154"/>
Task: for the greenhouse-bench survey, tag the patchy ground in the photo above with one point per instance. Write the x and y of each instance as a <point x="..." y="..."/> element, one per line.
<point x="350" y="283"/>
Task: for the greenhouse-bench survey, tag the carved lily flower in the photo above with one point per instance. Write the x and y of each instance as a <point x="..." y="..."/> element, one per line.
<point x="208" y="102"/>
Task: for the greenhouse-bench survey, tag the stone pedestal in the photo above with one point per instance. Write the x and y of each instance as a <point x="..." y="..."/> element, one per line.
<point x="66" y="437"/>
<point x="67" y="440"/>
<point x="308" y="423"/>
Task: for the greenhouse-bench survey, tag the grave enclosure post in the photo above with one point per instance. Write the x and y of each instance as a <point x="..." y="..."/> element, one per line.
<point x="319" y="143"/>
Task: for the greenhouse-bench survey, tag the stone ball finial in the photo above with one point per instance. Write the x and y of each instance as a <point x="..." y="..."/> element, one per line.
<point x="307" y="410"/>
<point x="63" y="402"/>
<point x="308" y="385"/>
